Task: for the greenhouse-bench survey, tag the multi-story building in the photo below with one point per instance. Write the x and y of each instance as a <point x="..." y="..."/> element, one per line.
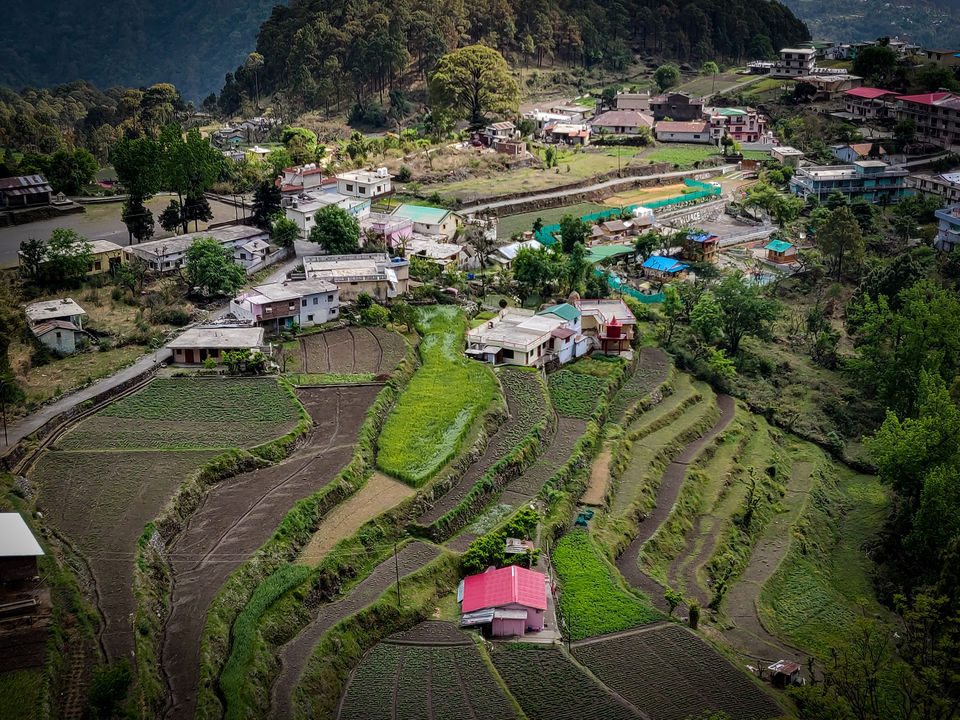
<point x="281" y="304"/>
<point x="300" y="179"/>
<point x="795" y="62"/>
<point x="942" y="57"/>
<point x="303" y="208"/>
<point x="936" y="115"/>
<point x="871" y="180"/>
<point x="168" y="254"/>
<point x="364" y="183"/>
<point x="948" y="235"/>
<point x="946" y="185"/>
<point x="678" y="106"/>
<point x="376" y="274"/>
<point x="865" y="103"/>
<point x="740" y="125"/>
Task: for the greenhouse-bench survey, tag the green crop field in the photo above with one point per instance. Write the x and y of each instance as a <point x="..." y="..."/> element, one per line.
<point x="512" y="224"/>
<point x="576" y="388"/>
<point x="530" y="405"/>
<point x="824" y="582"/>
<point x="446" y="394"/>
<point x="20" y="694"/>
<point x="592" y="601"/>
<point x="190" y="413"/>
<point x="682" y="155"/>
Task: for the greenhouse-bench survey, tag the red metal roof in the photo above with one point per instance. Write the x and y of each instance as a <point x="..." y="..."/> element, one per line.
<point x="504" y="586"/>
<point x="925" y="98"/>
<point x="671" y="126"/>
<point x="562" y="333"/>
<point x="869" y="93"/>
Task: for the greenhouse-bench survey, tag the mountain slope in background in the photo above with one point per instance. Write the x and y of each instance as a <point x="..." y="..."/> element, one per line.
<point x="925" y="22"/>
<point x="128" y="42"/>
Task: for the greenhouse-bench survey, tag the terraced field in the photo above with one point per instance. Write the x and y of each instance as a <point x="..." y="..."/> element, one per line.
<point x="653" y="369"/>
<point x="550" y="686"/>
<point x="352" y="350"/>
<point x="669" y="673"/>
<point x="425" y="674"/>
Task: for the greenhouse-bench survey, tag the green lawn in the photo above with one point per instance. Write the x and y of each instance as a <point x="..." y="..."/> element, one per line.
<point x="682" y="155"/>
<point x="446" y="394"/>
<point x="513" y="224"/>
<point x="592" y="600"/>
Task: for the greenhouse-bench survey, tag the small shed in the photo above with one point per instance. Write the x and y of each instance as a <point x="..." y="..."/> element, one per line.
<point x="510" y="600"/>
<point x="661" y="266"/>
<point x="784" y="672"/>
<point x="19" y="549"/>
<point x="781" y="252"/>
<point x="59" y="335"/>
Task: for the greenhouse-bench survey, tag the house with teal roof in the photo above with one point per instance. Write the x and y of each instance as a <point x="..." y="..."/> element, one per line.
<point x="430" y="220"/>
<point x="780" y="251"/>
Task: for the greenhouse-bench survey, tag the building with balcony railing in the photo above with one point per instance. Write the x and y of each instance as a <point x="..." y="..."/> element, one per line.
<point x="872" y="180"/>
<point x="739" y="124"/>
<point x="948" y="235"/>
<point x="936" y="115"/>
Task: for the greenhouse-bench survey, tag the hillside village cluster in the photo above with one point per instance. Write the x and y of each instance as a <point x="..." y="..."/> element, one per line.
<point x="304" y="303"/>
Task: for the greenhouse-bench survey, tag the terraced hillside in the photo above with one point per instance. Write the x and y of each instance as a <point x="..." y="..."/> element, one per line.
<point x="352" y="350"/>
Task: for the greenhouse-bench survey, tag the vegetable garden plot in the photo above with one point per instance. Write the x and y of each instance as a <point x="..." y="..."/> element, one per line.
<point x="188" y="413"/>
<point x="424" y="682"/>
<point x="550" y="686"/>
<point x="576" y="389"/>
<point x="352" y="350"/>
<point x="653" y="368"/>
<point x="669" y="673"/>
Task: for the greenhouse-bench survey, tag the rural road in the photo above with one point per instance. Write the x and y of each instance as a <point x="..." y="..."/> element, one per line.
<point x="236" y="518"/>
<point x="606" y="185"/>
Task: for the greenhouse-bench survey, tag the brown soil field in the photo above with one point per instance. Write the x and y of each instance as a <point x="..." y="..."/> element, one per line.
<point x="379" y="495"/>
<point x="667" y="493"/>
<point x="295" y="654"/>
<point x="351" y="350"/>
<point x="237" y="517"/>
<point x="596" y="490"/>
<point x="101" y="502"/>
<point x="147" y="434"/>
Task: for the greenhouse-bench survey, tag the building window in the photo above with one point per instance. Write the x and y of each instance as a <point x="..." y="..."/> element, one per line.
<point x="308" y="218"/>
<point x="309" y="318"/>
<point x="349" y="187"/>
<point x="507" y="354"/>
<point x="303" y="302"/>
<point x="329" y="298"/>
<point x="316" y="300"/>
<point x="362" y="189"/>
<point x="58" y="337"/>
<point x="96" y="265"/>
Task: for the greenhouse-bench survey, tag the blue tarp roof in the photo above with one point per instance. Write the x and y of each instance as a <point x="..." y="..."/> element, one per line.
<point x="700" y="237"/>
<point x="664" y="264"/>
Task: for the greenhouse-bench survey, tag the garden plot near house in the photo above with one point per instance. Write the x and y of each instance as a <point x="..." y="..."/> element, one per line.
<point x="445" y="396"/>
<point x="576" y="389"/>
<point x="432" y="671"/>
<point x="351" y="351"/>
<point x="669" y="673"/>
<point x="652" y="371"/>
<point x="189" y="413"/>
<point x="550" y="686"/>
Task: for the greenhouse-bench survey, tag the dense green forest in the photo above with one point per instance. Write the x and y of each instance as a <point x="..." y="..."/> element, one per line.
<point x="323" y="52"/>
<point x="127" y="42"/>
<point x="925" y="22"/>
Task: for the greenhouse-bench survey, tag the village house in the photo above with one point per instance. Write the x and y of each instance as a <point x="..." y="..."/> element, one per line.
<point x="676" y="106"/>
<point x="700" y="247"/>
<point x="301" y="178"/>
<point x="257" y="153"/>
<point x="828" y="85"/>
<point x="786" y="155"/>
<point x="447" y="256"/>
<point x="542" y="119"/>
<point x="872" y="180"/>
<point x="781" y="252"/>
<point x="663" y="268"/>
<point x="505" y="602"/>
<point x="26" y="612"/>
<point x="632" y="101"/>
<point x="168" y="254"/>
<point x="795" y="62"/>
<point x="942" y="57"/>
<point x="742" y="126"/>
<point x="616" y="229"/>
<point x="948" y="232"/>
<point x="64" y="309"/>
<point x="281" y="304"/>
<point x="865" y="103"/>
<point x="568" y="133"/>
<point x="303" y="209"/>
<point x="431" y="220"/>
<point x="608" y="322"/>
<point x="19" y="550"/>
<point x="784" y="672"/>
<point x="60" y="335"/>
<point x="577" y="113"/>
<point x="687" y="132"/>
<point x="376" y="274"/>
<point x="945" y="185"/>
<point x="391" y="230"/>
<point x="504" y="256"/>
<point x="858" y="151"/>
<point x="498" y="132"/>
<point x="517" y="336"/>
<point x="620" y="122"/>
<point x="364" y="183"/>
<point x="196" y="344"/>
<point x="252" y="252"/>
<point x="24" y="191"/>
<point x="107" y="256"/>
<point x="936" y="115"/>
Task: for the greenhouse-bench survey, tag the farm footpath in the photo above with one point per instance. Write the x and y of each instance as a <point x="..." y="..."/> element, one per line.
<point x="236" y="518"/>
<point x="295" y="654"/>
<point x="669" y="489"/>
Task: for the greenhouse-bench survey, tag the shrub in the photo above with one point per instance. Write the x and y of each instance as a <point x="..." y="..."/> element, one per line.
<point x="108" y="688"/>
<point x="375" y="315"/>
<point x="404" y="174"/>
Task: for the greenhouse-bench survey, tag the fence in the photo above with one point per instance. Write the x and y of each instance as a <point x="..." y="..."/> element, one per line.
<point x="545" y="236"/>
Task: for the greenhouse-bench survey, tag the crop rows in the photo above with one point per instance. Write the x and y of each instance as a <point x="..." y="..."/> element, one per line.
<point x="575" y="394"/>
<point x="652" y="370"/>
<point x="393" y="347"/>
<point x="527" y="405"/>
<point x="549" y="686"/>
<point x="352" y="350"/>
<point x="590" y="602"/>
<point x="671" y="674"/>
<point x="423" y="682"/>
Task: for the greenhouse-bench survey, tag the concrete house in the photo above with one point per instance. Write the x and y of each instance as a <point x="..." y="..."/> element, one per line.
<point x="498" y="132"/>
<point x="107" y="256"/>
<point x="364" y="183"/>
<point x="742" y="126"/>
<point x="948" y="232"/>
<point x="303" y="208"/>
<point x="872" y="180"/>
<point x="197" y="344"/>
<point x="301" y="178"/>
<point x="945" y="185"/>
<point x="281" y="304"/>
<point x="168" y="254"/>
<point x="431" y="220"/>
<point x="865" y="103"/>
<point x="937" y="117"/>
<point x="858" y="151"/>
<point x="251" y="253"/>
<point x="392" y="230"/>
<point x="608" y="322"/>
<point x="505" y="602"/>
<point x="786" y="155"/>
<point x="795" y="62"/>
<point x="59" y="335"/>
<point x="677" y="106"/>
<point x="687" y="132"/>
<point x="621" y="122"/>
<point x="64" y="309"/>
<point x="376" y="274"/>
<point x="521" y="337"/>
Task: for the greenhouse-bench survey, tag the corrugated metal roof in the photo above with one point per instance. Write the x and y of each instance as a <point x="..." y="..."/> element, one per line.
<point x="663" y="264"/>
<point x="565" y="310"/>
<point x="504" y="586"/>
<point x="779" y="246"/>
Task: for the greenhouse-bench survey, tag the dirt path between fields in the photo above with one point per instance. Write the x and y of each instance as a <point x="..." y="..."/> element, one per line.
<point x="236" y="518"/>
<point x="749" y="636"/>
<point x="596" y="491"/>
<point x="670" y="484"/>
<point x="296" y="653"/>
<point x="379" y="495"/>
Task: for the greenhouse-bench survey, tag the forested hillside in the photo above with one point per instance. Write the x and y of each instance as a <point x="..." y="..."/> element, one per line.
<point x="127" y="42"/>
<point x="325" y="51"/>
<point x="931" y="23"/>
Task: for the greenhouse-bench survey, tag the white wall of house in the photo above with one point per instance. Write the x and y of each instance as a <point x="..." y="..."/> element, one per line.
<point x="318" y="308"/>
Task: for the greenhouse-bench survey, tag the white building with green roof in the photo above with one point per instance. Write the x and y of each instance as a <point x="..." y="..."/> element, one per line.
<point x="430" y="220"/>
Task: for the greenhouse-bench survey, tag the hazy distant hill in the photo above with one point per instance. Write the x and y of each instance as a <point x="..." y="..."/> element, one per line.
<point x="925" y="22"/>
<point x="190" y="43"/>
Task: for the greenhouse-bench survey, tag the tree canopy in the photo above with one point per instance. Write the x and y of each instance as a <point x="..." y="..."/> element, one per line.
<point x="211" y="270"/>
<point x="336" y="230"/>
<point x="472" y="82"/>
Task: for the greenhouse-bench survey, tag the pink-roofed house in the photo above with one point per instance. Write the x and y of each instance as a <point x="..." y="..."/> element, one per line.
<point x="865" y="103"/>
<point x="936" y="115"/>
<point x="511" y="600"/>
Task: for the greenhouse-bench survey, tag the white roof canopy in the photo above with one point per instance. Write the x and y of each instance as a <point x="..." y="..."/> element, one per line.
<point x="16" y="540"/>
